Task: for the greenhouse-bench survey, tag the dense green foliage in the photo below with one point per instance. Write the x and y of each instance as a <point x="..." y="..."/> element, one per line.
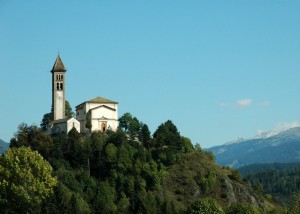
<point x="294" y="204"/>
<point x="277" y="182"/>
<point x="254" y="168"/>
<point x="128" y="171"/>
<point x="242" y="208"/>
<point x="25" y="181"/>
<point x="206" y="205"/>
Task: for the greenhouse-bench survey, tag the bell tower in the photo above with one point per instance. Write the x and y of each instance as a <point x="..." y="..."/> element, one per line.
<point x="58" y="89"/>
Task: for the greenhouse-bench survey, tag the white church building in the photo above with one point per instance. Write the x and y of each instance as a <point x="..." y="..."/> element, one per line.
<point x="98" y="114"/>
<point x="102" y="113"/>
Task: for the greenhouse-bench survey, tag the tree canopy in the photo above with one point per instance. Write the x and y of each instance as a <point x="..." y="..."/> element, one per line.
<point x="25" y="180"/>
<point x="126" y="171"/>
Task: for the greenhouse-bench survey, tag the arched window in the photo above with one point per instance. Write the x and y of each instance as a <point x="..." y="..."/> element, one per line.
<point x="61" y="86"/>
<point x="57" y="77"/>
<point x="62" y="77"/>
<point x="57" y="86"/>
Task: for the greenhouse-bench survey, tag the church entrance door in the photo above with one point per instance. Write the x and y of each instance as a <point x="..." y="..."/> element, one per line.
<point x="103" y="127"/>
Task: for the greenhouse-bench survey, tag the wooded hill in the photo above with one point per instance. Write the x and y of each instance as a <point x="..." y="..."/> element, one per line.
<point x="278" y="180"/>
<point x="128" y="171"/>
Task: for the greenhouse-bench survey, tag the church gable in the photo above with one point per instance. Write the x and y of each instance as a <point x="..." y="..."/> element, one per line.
<point x="95" y="102"/>
<point x="103" y="106"/>
<point x="104" y="111"/>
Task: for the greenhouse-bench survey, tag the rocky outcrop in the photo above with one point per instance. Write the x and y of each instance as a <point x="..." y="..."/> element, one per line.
<point x="197" y="177"/>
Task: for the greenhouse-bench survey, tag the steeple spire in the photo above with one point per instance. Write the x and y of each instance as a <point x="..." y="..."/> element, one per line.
<point x="58" y="65"/>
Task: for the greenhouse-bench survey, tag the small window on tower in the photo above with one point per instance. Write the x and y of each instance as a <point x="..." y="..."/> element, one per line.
<point x="62" y="77"/>
<point x="61" y="86"/>
<point x="57" y="86"/>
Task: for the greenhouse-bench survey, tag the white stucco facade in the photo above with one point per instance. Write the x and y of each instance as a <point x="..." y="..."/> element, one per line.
<point x="58" y="109"/>
<point x="63" y="126"/>
<point x="103" y="114"/>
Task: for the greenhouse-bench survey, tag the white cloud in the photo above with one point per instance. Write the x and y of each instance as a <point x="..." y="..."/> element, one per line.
<point x="243" y="103"/>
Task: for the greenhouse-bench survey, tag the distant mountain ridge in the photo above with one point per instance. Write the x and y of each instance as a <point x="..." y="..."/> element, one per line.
<point x="283" y="147"/>
<point x="3" y="146"/>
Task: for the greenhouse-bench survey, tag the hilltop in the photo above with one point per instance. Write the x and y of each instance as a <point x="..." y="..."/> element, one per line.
<point x="130" y="171"/>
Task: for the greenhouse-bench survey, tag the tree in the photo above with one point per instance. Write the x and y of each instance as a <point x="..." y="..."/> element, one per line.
<point x="105" y="198"/>
<point x="33" y="137"/>
<point x="123" y="204"/>
<point x="294" y="205"/>
<point x="78" y="205"/>
<point x="75" y="150"/>
<point x="68" y="110"/>
<point x="206" y="205"/>
<point x="88" y="124"/>
<point x="167" y="135"/>
<point x="131" y="125"/>
<point x="97" y="141"/>
<point x="187" y="145"/>
<point x="25" y="180"/>
<point x="168" y="143"/>
<point x="124" y="121"/>
<point x="198" y="147"/>
<point x="145" y="136"/>
<point x="48" y="117"/>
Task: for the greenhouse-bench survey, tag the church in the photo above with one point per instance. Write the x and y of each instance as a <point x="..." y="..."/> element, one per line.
<point x="97" y="114"/>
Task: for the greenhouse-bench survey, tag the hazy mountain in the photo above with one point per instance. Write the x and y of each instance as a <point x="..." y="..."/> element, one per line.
<point x="280" y="147"/>
<point x="3" y="146"/>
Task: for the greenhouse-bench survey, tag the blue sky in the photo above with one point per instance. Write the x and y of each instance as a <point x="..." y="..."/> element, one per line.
<point x="218" y="69"/>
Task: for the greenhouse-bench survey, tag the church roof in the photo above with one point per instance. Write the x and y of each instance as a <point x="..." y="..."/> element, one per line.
<point x="97" y="100"/>
<point x="61" y="120"/>
<point x="100" y="100"/>
<point x="58" y="65"/>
